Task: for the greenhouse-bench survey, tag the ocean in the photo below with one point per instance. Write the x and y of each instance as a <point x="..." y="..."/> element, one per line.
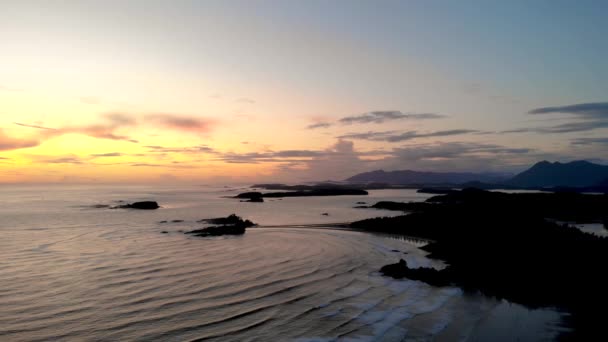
<point x="73" y="270"/>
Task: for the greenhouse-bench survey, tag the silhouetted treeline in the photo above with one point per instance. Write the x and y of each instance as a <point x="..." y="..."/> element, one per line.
<point x="504" y="246"/>
<point x="304" y="193"/>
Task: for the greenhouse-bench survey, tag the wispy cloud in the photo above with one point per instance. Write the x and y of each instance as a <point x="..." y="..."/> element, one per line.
<point x="33" y="126"/>
<point x="593" y="110"/>
<point x="63" y="160"/>
<point x="174" y="165"/>
<point x="392" y="136"/>
<point x="376" y="117"/>
<point x="181" y="123"/>
<point x="462" y="156"/>
<point x="319" y="125"/>
<point x="96" y="131"/>
<point x="517" y="130"/>
<point x="583" y="117"/>
<point x="384" y="116"/>
<point x="570" y="127"/>
<point x="455" y="150"/>
<point x="590" y="141"/>
<point x="369" y="135"/>
<point x="290" y="156"/>
<point x="112" y="125"/>
<point x="580" y="126"/>
<point x="9" y="143"/>
<point x="121" y="119"/>
<point x="190" y="149"/>
<point x="110" y="154"/>
<point x="104" y="130"/>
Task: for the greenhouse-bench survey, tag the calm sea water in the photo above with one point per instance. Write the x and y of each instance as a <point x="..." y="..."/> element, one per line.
<point x="72" y="272"/>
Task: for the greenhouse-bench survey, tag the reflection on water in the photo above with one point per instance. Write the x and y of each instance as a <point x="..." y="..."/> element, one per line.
<point x="73" y="273"/>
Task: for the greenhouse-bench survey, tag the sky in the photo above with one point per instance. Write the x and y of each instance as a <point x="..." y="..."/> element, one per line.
<point x="293" y="91"/>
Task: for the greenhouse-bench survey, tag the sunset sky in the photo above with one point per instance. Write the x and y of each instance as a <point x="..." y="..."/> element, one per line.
<point x="220" y="91"/>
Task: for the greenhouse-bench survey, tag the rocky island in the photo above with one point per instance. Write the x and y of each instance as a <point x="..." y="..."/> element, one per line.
<point x="231" y="225"/>
<point x="254" y="196"/>
<point x="145" y="205"/>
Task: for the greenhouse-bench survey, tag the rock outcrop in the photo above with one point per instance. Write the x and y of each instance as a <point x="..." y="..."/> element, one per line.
<point x="231" y="225"/>
<point x="145" y="205"/>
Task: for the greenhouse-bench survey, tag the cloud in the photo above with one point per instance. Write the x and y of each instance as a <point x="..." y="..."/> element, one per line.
<point x="455" y="150"/>
<point x="63" y="160"/>
<point x="270" y="156"/>
<point x="376" y="117"/>
<point x="111" y="154"/>
<point x="517" y="130"/>
<point x="576" y="126"/>
<point x="181" y="123"/>
<point x="192" y="149"/>
<point x="175" y="165"/>
<point x="295" y="156"/>
<point x="319" y="125"/>
<point x="342" y="159"/>
<point x="461" y="156"/>
<point x="369" y="135"/>
<point x="105" y="130"/>
<point x="34" y="126"/>
<point x="120" y="119"/>
<point x="9" y="143"/>
<point x="113" y="121"/>
<point x="590" y="141"/>
<point x="590" y="116"/>
<point x="96" y="131"/>
<point x="415" y="135"/>
<point x="384" y="116"/>
<point x="594" y="110"/>
<point x="112" y="124"/>
<point x="392" y="136"/>
<point x="573" y="127"/>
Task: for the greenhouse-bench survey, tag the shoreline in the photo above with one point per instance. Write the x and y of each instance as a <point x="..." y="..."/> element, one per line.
<point x="504" y="247"/>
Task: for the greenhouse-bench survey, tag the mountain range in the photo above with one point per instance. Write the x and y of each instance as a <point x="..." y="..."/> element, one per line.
<point x="544" y="174"/>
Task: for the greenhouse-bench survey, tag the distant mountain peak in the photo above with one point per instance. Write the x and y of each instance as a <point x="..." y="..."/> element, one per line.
<point x="578" y="173"/>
